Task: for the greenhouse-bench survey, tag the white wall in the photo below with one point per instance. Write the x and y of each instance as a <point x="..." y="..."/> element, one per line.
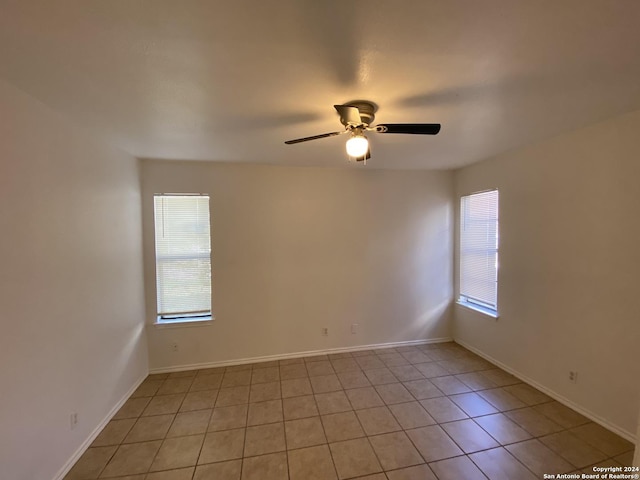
<point x="296" y="249"/>
<point x="70" y="286"/>
<point x="569" y="259"/>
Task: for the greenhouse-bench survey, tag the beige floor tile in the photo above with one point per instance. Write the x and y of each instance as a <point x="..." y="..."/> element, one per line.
<point x="602" y="439"/>
<point x="469" y="436"/>
<point x="411" y="415"/>
<point x="533" y="422"/>
<point x="91" y="463"/>
<point x="353" y="380"/>
<point x="265" y="412"/>
<point x="395" y="450"/>
<point x="456" y="469"/>
<point x="150" y="428"/>
<point x="219" y="471"/>
<point x="190" y="423"/>
<point x="500" y="377"/>
<point x="325" y="383"/>
<point x="132" y="408"/>
<point x="290" y="372"/>
<point x="563" y="416"/>
<point x="473" y="404"/>
<point x="236" y="378"/>
<point x="476" y="381"/>
<point x="416" y="357"/>
<point x="369" y="362"/>
<point x="291" y="361"/>
<point x="199" y="400"/>
<point x="114" y="432"/>
<point x="625" y="459"/>
<point x="500" y="427"/>
<point x="377" y="420"/>
<point x="178" y="474"/>
<point x="222" y="446"/>
<point x="501" y="399"/>
<point x="354" y="458"/>
<point x="375" y="476"/>
<point x="175" y="385"/>
<point x="316" y="369"/>
<point x="211" y="371"/>
<point x="365" y="397"/>
<point x="380" y="376"/>
<point x="313" y="463"/>
<point x="299" y="407"/>
<point x="305" y="432"/>
<point x="499" y="464"/>
<point x="332" y="402"/>
<point x="342" y="426"/>
<point x="178" y="452"/>
<point x="132" y="459"/>
<point x="443" y="410"/>
<point x="418" y="472"/>
<point x="164" y="404"/>
<point x="345" y="365"/>
<point x="206" y="382"/>
<point x="296" y="387"/>
<point x="571" y="448"/>
<point x="263" y="439"/>
<point x="431" y="370"/>
<point x="238" y="368"/>
<point x="405" y="373"/>
<point x="527" y="394"/>
<point x="450" y="385"/>
<point x="183" y="374"/>
<point x="266" y="467"/>
<point x="224" y="418"/>
<point x="423" y="389"/>
<point x="265" y="375"/>
<point x="261" y="392"/>
<point x="538" y="458"/>
<point x="394" y="393"/>
<point x="433" y="443"/>
<point x="232" y="396"/>
<point x="148" y="388"/>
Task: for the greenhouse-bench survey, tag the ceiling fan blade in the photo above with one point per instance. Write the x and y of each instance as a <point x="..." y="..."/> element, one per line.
<point x="349" y="115"/>
<point x="411" y="128"/>
<point x="315" y="137"/>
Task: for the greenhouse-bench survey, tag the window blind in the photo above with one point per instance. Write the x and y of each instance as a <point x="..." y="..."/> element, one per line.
<point x="479" y="249"/>
<point x="183" y="255"/>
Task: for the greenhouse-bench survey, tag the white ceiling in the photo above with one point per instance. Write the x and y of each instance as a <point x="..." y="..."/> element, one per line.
<point x="231" y="80"/>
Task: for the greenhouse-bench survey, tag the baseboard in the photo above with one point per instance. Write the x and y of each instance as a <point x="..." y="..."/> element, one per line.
<point x="556" y="396"/>
<point x="96" y="431"/>
<point x="310" y="353"/>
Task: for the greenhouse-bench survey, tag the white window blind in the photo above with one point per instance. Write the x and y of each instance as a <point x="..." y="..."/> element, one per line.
<point x="479" y="249"/>
<point x="183" y="256"/>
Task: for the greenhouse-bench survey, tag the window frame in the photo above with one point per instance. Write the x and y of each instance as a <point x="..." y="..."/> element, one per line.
<point x="466" y="300"/>
<point x="191" y="319"/>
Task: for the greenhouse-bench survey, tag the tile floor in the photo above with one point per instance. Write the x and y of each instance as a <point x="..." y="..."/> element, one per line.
<point x="413" y="413"/>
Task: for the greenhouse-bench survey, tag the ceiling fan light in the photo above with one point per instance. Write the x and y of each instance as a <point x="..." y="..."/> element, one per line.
<point x="357" y="146"/>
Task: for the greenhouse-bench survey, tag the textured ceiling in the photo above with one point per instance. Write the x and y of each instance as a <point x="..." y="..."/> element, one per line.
<point x="231" y="80"/>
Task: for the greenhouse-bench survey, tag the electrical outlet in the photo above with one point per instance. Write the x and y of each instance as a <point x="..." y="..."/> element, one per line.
<point x="73" y="420"/>
<point x="354" y="328"/>
<point x="174" y="347"/>
<point x="325" y="331"/>
<point x="573" y="377"/>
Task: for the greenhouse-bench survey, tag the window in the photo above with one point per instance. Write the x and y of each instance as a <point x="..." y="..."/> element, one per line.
<point x="479" y="251"/>
<point x="183" y="258"/>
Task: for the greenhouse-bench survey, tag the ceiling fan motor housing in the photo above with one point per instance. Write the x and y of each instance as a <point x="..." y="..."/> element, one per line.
<point x="367" y="110"/>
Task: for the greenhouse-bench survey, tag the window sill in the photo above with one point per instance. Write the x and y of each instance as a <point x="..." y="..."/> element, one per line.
<point x="184" y="323"/>
<point x="477" y="308"/>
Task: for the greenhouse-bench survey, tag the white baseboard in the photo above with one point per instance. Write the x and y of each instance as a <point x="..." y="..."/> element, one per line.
<point x="96" y="431"/>
<point x="556" y="396"/>
<point x="310" y="353"/>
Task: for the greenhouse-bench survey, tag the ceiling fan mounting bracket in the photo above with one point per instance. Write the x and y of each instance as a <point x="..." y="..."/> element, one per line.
<point x="366" y="108"/>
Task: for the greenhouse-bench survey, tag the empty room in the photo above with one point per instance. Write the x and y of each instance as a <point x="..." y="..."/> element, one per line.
<point x="319" y="240"/>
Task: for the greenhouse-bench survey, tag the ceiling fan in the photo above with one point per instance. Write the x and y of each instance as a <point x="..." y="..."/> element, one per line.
<point x="357" y="118"/>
